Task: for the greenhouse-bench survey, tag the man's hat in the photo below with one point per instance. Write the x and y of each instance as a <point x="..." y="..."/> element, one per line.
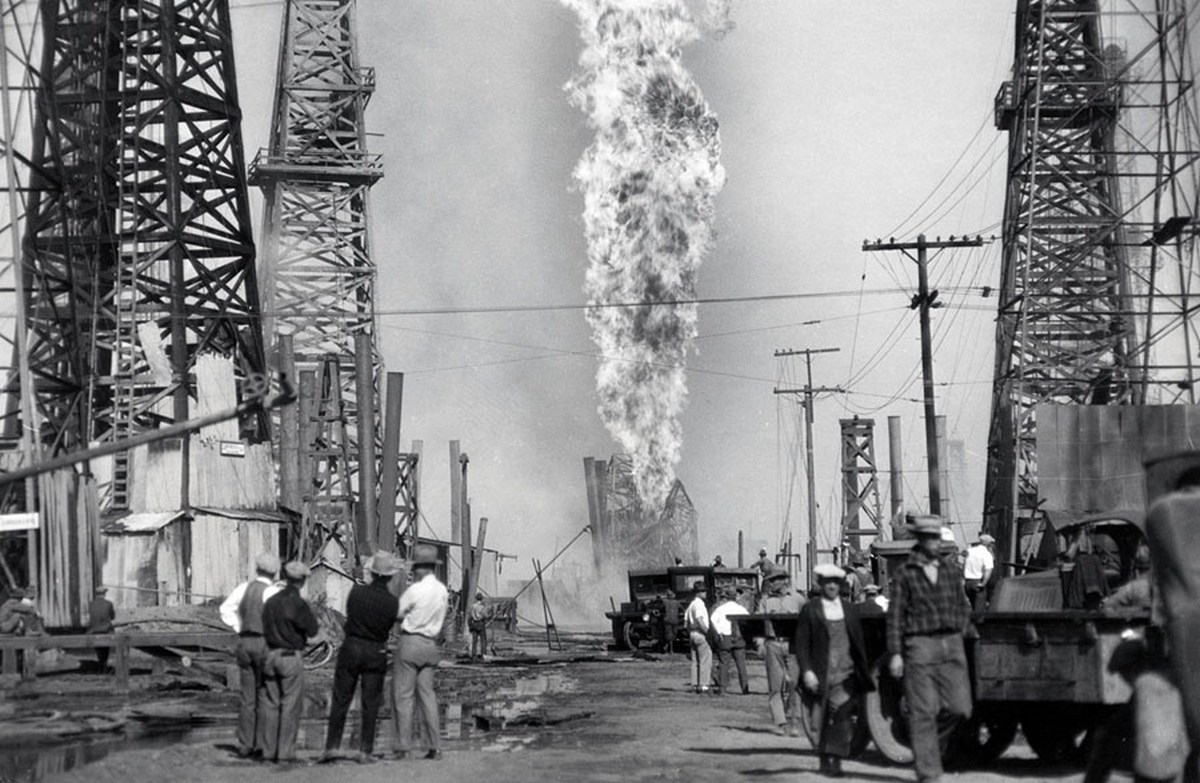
<point x="728" y="593"/>
<point x="987" y="539"/>
<point x="425" y="554"/>
<point x="383" y="564"/>
<point x="924" y="525"/>
<point x="267" y="563"/>
<point x="763" y="551"/>
<point x="698" y="587"/>
<point x="773" y="573"/>
<point x="1163" y="472"/>
<point x="101" y="590"/>
<point x="828" y="571"/>
<point x="871" y="589"/>
<point x="947" y="535"/>
<point x="295" y="570"/>
<point x="858" y="558"/>
<point x="479" y="594"/>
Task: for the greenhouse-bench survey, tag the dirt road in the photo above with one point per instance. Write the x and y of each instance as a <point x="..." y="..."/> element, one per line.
<point x="599" y="717"/>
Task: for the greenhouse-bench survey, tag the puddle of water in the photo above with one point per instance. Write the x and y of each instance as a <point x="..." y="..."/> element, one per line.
<point x="505" y="721"/>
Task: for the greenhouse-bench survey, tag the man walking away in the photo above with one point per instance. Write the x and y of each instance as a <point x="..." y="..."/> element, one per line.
<point x="670" y="621"/>
<point x="977" y="571"/>
<point x="926" y="618"/>
<point x="101" y="614"/>
<point x="370" y="611"/>
<point x="832" y="655"/>
<point x="288" y="623"/>
<point x="243" y="612"/>
<point x="422" y="613"/>
<point x="477" y="624"/>
<point x="783" y="673"/>
<point x="731" y="647"/>
<point x="695" y="620"/>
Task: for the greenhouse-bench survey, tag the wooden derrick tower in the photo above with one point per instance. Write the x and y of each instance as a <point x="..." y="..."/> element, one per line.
<point x="318" y="275"/>
<point x="1099" y="229"/>
<point x="861" y="510"/>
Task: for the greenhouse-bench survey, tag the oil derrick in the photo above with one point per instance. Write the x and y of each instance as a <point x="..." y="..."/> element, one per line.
<point x="137" y="249"/>
<point x="1098" y="229"/>
<point x="318" y="276"/>
<point x="861" y="510"/>
<point x="627" y="535"/>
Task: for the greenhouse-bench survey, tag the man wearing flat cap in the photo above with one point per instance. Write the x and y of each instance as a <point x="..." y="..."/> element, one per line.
<point x="927" y="615"/>
<point x="243" y="612"/>
<point x="778" y="650"/>
<point x="832" y="655"/>
<point x="422" y="613"/>
<point x="288" y="624"/>
<point x="370" y="612"/>
<point x="978" y="569"/>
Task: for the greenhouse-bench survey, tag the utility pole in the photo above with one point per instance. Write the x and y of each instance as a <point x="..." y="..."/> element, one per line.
<point x="924" y="301"/>
<point x="808" y="391"/>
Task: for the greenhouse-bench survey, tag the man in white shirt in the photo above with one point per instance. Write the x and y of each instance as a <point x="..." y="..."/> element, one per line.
<point x="731" y="647"/>
<point x="422" y="613"/>
<point x="695" y="620"/>
<point x="243" y="611"/>
<point x="977" y="570"/>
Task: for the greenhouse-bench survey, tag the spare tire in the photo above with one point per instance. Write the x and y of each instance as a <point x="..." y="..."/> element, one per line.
<point x="887" y="714"/>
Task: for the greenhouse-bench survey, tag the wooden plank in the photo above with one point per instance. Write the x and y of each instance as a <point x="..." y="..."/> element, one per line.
<point x="121" y="654"/>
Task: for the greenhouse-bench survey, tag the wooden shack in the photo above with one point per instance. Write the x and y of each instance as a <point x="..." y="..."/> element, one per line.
<point x="146" y="558"/>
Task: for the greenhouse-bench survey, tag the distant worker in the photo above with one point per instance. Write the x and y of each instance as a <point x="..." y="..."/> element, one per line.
<point x="101" y="614"/>
<point x="926" y="619"/>
<point x="1173" y="491"/>
<point x="857" y="577"/>
<point x="778" y="650"/>
<point x="1136" y="593"/>
<point x="18" y="615"/>
<point x="978" y="570"/>
<point x="731" y="647"/>
<point x="370" y="613"/>
<point x="695" y="621"/>
<point x="832" y="656"/>
<point x="763" y="563"/>
<point x="477" y="625"/>
<point x="716" y="563"/>
<point x="288" y="623"/>
<point x="243" y="612"/>
<point x="874" y="602"/>
<point x="422" y="616"/>
<point x="668" y="622"/>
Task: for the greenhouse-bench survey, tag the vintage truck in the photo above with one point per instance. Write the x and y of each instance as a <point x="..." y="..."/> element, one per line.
<point x="1033" y="662"/>
<point x="636" y="622"/>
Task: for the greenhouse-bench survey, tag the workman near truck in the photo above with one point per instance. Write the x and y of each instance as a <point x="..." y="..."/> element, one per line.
<point x="288" y="623"/>
<point x="832" y="655"/>
<point x="370" y="613"/>
<point x="731" y="647"/>
<point x="927" y="615"/>
<point x="783" y="673"/>
<point x="1173" y="534"/>
<point x="242" y="611"/>
<point x="695" y="620"/>
<point x="978" y="569"/>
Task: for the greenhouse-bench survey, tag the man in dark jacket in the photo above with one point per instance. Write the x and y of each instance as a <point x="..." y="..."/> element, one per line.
<point x="832" y="654"/>
<point x="927" y="615"/>
<point x="370" y="613"/>
<point x="288" y="623"/>
<point x="101" y="614"/>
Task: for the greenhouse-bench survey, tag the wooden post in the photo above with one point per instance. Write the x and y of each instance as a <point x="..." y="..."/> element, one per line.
<point x="306" y="404"/>
<point x="29" y="661"/>
<point x="121" y="653"/>
<point x="418" y="447"/>
<point x="467" y="553"/>
<point x="455" y="498"/>
<point x="365" y="518"/>
<point x="943" y="467"/>
<point x="896" y="463"/>
<point x="389" y="472"/>
<point x="589" y="478"/>
<point x="289" y="430"/>
<point x="741" y="550"/>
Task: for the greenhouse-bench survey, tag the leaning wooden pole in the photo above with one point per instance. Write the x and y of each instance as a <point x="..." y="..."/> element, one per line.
<point x="389" y="474"/>
<point x="364" y="395"/>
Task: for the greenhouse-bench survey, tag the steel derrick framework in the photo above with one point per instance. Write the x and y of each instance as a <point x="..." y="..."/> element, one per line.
<point x="638" y="537"/>
<point x="137" y="250"/>
<point x="316" y="176"/>
<point x="1095" y="302"/>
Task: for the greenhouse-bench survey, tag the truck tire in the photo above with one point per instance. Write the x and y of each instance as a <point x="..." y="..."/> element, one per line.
<point x="628" y="636"/>
<point x="1055" y="738"/>
<point x="887" y="715"/>
<point x="983" y="739"/>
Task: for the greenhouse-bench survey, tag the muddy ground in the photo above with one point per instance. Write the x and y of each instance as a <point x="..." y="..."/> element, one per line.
<point x="584" y="714"/>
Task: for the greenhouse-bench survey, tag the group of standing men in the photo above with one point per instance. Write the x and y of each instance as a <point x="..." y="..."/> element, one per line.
<point x="275" y="624"/>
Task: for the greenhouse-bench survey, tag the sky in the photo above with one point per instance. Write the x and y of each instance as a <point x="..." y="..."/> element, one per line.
<point x="839" y="122"/>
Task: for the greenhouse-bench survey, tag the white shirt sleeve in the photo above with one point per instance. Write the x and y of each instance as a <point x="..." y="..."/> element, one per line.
<point x="229" y="608"/>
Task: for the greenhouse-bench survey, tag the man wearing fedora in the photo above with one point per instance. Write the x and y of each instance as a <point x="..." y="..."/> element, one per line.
<point x="370" y="612"/>
<point x="978" y="569"/>
<point x="695" y="620"/>
<point x="832" y="655"/>
<point x="422" y="612"/>
<point x="927" y="615"/>
<point x="783" y="674"/>
<point x="243" y="612"/>
<point x="288" y="623"/>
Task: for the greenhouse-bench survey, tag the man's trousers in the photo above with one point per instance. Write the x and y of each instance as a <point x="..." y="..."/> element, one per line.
<point x="938" y="693"/>
<point x="412" y="685"/>
<point x="783" y="678"/>
<point x="359" y="659"/>
<point x="284" y="675"/>
<point x="701" y="660"/>
<point x="251" y="656"/>
<point x="732" y="653"/>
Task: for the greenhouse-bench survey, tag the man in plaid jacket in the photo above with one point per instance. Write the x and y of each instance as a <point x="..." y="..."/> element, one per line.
<point x="926" y="618"/>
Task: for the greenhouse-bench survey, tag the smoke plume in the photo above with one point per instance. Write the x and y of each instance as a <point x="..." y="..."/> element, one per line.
<point x="649" y="180"/>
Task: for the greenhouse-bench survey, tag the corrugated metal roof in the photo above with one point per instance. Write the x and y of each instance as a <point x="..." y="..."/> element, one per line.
<point x="145" y="522"/>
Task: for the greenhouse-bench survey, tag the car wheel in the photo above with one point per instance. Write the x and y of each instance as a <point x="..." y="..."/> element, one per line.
<point x="887" y="715"/>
